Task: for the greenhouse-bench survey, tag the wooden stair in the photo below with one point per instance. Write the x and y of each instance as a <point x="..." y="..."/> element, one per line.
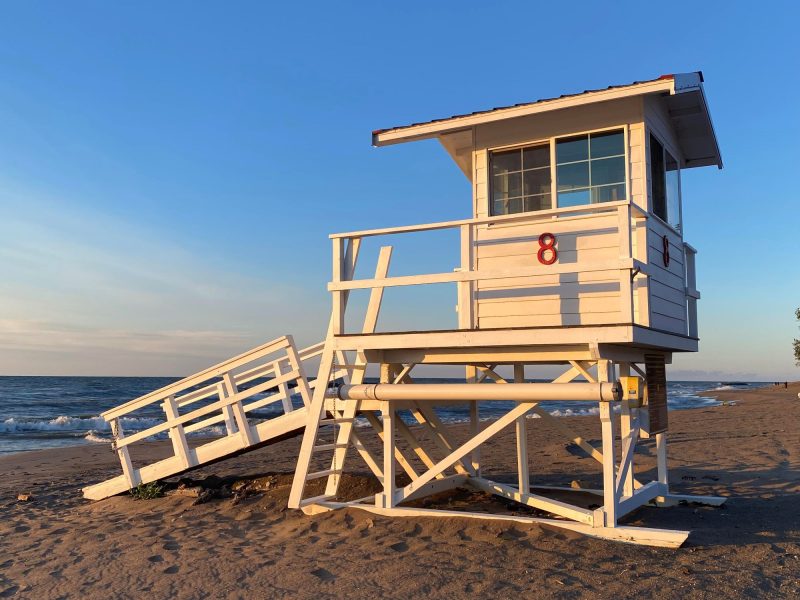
<point x="225" y="395"/>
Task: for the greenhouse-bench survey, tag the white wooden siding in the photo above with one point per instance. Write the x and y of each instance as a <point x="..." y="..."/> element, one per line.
<point x="580" y="298"/>
<point x="667" y="283"/>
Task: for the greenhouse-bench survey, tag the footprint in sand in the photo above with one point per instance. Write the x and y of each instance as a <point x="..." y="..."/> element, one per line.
<point x="172" y="546"/>
<point x="399" y="547"/>
<point x="156" y="558"/>
<point x="21" y="529"/>
<point x="323" y="574"/>
<point x="171" y="570"/>
<point x="462" y="535"/>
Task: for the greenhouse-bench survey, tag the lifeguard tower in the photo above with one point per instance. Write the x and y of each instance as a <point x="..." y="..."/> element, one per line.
<point x="573" y="258"/>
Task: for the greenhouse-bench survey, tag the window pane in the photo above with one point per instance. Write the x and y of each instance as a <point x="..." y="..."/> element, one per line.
<point x="507" y="186"/>
<point x="672" y="182"/>
<point x="541" y="202"/>
<point x="657" y="183"/>
<point x="608" y="170"/>
<point x="575" y="175"/>
<point x="499" y="207"/>
<point x="608" y="193"/>
<point x="607" y="144"/>
<point x="573" y="198"/>
<point x="536" y="181"/>
<point x="572" y="149"/>
<point x="538" y="156"/>
<point x="515" y="206"/>
<point x="503" y="162"/>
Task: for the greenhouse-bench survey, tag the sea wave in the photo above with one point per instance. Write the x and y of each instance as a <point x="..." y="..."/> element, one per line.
<point x="65" y="423"/>
<point x="91" y="436"/>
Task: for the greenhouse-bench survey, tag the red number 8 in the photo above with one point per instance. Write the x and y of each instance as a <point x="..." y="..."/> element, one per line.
<point x="547" y="241"/>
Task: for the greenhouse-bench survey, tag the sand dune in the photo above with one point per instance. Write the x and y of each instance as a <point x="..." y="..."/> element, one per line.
<point x="60" y="546"/>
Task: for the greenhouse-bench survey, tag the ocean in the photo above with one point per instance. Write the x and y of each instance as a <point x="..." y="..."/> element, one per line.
<point x="53" y="412"/>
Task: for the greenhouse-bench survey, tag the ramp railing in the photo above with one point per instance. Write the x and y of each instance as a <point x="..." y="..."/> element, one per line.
<point x="222" y="402"/>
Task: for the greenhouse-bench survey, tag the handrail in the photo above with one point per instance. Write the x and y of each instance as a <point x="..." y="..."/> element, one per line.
<point x="456" y="276"/>
<point x="216" y="370"/>
<point x="219" y="404"/>
<point x="527" y="216"/>
<point x="192" y="380"/>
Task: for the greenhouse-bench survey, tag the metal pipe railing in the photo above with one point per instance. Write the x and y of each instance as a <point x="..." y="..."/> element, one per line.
<point x="454" y="392"/>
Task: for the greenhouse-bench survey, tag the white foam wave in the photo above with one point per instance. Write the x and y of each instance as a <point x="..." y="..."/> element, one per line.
<point x="723" y="388"/>
<point x="570" y="412"/>
<point x="64" y="423"/>
<point x="92" y="436"/>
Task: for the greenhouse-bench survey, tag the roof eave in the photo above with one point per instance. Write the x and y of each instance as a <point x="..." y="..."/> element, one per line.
<point x="685" y="83"/>
<point x="432" y="129"/>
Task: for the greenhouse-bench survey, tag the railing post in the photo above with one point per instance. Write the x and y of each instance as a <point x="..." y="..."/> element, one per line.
<point x="302" y="381"/>
<point x="179" y="444"/>
<point x="131" y="474"/>
<point x="466" y="289"/>
<point x="239" y="415"/>
<point x="625" y="252"/>
<point x="337" y="312"/>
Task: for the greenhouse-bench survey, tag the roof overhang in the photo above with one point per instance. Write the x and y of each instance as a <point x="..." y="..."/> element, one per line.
<point x="685" y="101"/>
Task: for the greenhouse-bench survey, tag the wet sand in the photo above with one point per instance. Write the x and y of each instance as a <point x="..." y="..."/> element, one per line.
<point x="60" y="546"/>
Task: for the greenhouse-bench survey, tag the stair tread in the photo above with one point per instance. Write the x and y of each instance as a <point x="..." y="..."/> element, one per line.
<point x="315" y="499"/>
<point x="325" y="473"/>
<point x="321" y="447"/>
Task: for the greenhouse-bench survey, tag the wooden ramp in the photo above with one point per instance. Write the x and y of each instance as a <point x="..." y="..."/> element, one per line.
<point x="247" y="400"/>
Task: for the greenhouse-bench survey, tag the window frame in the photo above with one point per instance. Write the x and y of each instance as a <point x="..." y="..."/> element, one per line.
<point x="551" y="141"/>
<point x="667" y="149"/>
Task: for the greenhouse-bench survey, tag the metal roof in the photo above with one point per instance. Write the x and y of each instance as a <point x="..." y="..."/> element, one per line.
<point x="695" y="117"/>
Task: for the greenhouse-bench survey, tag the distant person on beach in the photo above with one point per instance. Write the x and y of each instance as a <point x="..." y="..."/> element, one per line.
<point x="786" y="385"/>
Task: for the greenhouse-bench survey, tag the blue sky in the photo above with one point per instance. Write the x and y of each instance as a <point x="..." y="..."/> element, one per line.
<point x="169" y="172"/>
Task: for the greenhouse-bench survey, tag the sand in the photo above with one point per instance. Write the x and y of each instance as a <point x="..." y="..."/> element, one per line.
<point x="59" y="546"/>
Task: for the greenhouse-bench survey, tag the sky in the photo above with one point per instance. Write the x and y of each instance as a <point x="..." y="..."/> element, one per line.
<point x="170" y="172"/>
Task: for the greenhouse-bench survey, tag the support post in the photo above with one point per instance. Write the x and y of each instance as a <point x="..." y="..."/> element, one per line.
<point x="474" y="421"/>
<point x="523" y="473"/>
<point x="626" y="433"/>
<point x="604" y="374"/>
<point x="312" y="426"/>
<point x="387" y="498"/>
<point x="661" y="459"/>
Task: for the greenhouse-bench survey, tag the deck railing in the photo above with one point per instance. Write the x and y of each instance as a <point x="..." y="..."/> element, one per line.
<point x="346" y="247"/>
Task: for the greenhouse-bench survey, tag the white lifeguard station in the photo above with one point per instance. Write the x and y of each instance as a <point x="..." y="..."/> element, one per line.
<point x="574" y="258"/>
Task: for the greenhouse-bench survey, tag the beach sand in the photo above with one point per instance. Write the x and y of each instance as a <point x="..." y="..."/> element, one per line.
<point x="58" y="545"/>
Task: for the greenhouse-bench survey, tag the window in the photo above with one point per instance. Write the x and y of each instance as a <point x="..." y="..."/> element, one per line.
<point x="665" y="185"/>
<point x="590" y="168"/>
<point x="521" y="180"/>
